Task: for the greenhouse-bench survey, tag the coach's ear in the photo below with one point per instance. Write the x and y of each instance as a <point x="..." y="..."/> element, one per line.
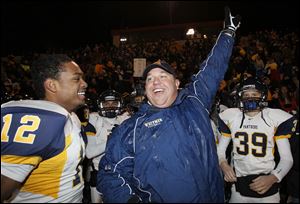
<point x="177" y="83"/>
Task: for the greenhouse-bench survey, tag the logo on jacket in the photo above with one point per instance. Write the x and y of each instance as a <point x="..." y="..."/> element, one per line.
<point x="153" y="123"/>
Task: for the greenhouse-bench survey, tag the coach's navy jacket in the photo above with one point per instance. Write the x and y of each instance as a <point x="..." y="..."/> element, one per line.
<point x="169" y="155"/>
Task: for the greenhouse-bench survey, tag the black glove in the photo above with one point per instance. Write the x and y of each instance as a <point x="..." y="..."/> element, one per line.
<point x="231" y="23"/>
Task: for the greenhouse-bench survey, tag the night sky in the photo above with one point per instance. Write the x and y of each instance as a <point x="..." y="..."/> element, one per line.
<point x="34" y="25"/>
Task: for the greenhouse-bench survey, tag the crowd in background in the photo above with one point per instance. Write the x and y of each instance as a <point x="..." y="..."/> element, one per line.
<point x="270" y="55"/>
<point x="267" y="54"/>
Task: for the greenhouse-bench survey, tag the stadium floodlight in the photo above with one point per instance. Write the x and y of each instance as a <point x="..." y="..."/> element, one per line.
<point x="123" y="39"/>
<point x="190" y="31"/>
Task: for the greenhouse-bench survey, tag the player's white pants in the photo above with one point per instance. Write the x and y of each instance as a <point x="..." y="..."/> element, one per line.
<point x="95" y="196"/>
<point x="236" y="197"/>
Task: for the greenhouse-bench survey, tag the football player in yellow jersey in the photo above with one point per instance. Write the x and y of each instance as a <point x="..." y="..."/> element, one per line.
<point x="254" y="130"/>
<point x="41" y="144"/>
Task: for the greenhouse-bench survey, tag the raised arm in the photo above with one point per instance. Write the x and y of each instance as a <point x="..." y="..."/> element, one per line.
<point x="212" y="70"/>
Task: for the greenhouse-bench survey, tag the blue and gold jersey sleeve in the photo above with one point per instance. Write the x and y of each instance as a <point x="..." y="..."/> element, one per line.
<point x="31" y="132"/>
<point x="285" y="129"/>
<point x="223" y="128"/>
<point x="89" y="130"/>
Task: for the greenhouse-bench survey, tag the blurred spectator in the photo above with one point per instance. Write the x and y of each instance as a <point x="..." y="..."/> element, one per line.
<point x="287" y="100"/>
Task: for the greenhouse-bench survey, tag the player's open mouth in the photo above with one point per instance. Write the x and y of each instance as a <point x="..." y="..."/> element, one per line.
<point x="81" y="94"/>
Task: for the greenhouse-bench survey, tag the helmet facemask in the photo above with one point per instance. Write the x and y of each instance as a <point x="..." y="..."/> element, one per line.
<point x="110" y="109"/>
<point x="254" y="102"/>
<point x="110" y="104"/>
<point x="252" y="95"/>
